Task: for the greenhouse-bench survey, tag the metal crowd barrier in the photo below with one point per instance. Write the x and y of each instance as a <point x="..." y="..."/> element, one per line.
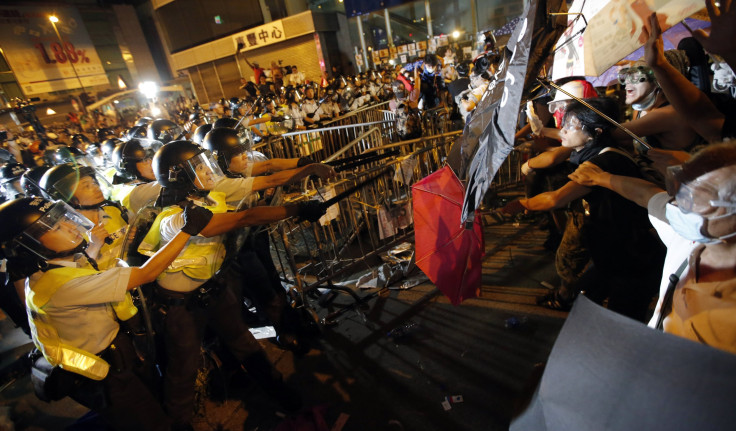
<point x="358" y="230"/>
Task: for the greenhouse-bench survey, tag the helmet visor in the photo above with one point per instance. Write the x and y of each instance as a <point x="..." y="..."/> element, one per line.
<point x="60" y="229"/>
<point x="204" y="171"/>
<point x="244" y="136"/>
<point x="91" y="191"/>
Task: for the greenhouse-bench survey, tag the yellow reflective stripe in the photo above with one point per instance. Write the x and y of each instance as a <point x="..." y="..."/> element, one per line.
<point x="45" y="335"/>
<point x="67" y="357"/>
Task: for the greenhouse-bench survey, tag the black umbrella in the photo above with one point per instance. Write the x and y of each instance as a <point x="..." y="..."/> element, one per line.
<point x="607" y="372"/>
<point x="488" y="137"/>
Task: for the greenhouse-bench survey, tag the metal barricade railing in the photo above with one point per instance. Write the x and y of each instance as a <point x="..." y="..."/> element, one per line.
<point x="376" y="218"/>
<point x="359" y="228"/>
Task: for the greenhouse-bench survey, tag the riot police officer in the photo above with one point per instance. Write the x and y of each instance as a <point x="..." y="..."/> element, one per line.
<point x="137" y="186"/>
<point x="191" y="292"/>
<point x="74" y="309"/>
<point x="255" y="265"/>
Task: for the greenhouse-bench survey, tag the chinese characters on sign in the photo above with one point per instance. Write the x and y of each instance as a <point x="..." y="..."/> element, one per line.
<point x="260" y="36"/>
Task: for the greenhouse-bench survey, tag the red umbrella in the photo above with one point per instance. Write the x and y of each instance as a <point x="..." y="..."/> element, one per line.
<point x="449" y="254"/>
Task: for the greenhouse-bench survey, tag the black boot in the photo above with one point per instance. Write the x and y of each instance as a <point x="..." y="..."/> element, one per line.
<point x="261" y="370"/>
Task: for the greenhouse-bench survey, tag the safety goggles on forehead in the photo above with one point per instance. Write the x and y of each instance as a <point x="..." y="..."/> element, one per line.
<point x="697" y="195"/>
<point x="556" y="105"/>
<point x="635" y="75"/>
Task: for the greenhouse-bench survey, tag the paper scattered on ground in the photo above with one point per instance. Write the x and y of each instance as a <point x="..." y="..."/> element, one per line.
<point x="263" y="332"/>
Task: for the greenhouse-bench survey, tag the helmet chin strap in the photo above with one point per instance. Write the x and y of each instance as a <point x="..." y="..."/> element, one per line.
<point x="93" y="206"/>
<point x="648" y="101"/>
<point x="78" y="249"/>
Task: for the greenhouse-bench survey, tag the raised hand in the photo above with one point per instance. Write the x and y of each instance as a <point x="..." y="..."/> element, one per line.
<point x="722" y="37"/>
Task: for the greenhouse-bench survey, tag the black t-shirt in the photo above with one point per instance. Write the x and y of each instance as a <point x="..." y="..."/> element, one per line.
<point x="608" y="207"/>
<point x="618" y="234"/>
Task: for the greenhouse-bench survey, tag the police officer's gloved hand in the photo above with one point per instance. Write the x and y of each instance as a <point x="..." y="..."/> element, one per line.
<point x="304" y="161"/>
<point x="196" y="218"/>
<point x="310" y="116"/>
<point x="310" y="211"/>
<point x="276" y="118"/>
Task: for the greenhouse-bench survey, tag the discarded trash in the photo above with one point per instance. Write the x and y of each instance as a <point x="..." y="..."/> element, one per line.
<point x="547" y="284"/>
<point x="446" y="404"/>
<point x="456" y="399"/>
<point x="514" y="322"/>
<point x="403" y="331"/>
<point x="263" y="332"/>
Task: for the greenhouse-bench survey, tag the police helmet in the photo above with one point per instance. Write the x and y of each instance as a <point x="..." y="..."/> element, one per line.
<point x="26" y="221"/>
<point x="137" y="132"/>
<point x="143" y="121"/>
<point x="80" y="141"/>
<point x="108" y="146"/>
<point x="224" y="144"/>
<point x="225" y="122"/>
<point x="31" y="178"/>
<point x="164" y="131"/>
<point x="185" y="166"/>
<point x="125" y="157"/>
<point x="72" y="155"/>
<point x="60" y="182"/>
<point x="200" y="133"/>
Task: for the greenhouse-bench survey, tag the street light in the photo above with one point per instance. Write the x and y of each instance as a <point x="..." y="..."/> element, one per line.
<point x="54" y="20"/>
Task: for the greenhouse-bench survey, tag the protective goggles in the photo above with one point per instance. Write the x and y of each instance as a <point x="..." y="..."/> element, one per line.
<point x="635" y="75"/>
<point x="696" y="196"/>
<point x="556" y="105"/>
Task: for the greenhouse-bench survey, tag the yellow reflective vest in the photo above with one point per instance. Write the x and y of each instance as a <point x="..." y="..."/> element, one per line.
<point x="121" y="192"/>
<point x="116" y="227"/>
<point x="201" y="258"/>
<point x="45" y="335"/>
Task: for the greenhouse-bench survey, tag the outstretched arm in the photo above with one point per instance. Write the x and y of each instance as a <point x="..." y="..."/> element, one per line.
<point x="290" y="176"/>
<point x="225" y="222"/>
<point x="634" y="189"/>
<point x="691" y="103"/>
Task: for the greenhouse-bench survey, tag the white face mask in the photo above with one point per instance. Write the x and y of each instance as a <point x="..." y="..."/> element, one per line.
<point x="690" y="225"/>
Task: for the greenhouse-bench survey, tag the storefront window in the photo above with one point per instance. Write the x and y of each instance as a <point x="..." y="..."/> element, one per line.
<point x="408" y="23"/>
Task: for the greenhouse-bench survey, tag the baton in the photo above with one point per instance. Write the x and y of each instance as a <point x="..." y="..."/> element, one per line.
<point x="328" y="203"/>
<point x="363" y="159"/>
<point x="545" y="82"/>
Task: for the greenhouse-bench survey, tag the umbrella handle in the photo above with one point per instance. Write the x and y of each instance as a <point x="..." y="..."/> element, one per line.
<point x="546" y="82"/>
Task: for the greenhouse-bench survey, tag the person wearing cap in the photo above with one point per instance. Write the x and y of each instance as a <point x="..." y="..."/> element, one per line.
<point x="696" y="219"/>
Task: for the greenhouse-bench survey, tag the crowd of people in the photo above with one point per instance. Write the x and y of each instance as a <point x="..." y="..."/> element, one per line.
<point x="635" y="213"/>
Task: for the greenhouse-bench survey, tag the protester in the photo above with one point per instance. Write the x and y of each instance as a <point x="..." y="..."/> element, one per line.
<point x="696" y="219"/>
<point x="626" y="258"/>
